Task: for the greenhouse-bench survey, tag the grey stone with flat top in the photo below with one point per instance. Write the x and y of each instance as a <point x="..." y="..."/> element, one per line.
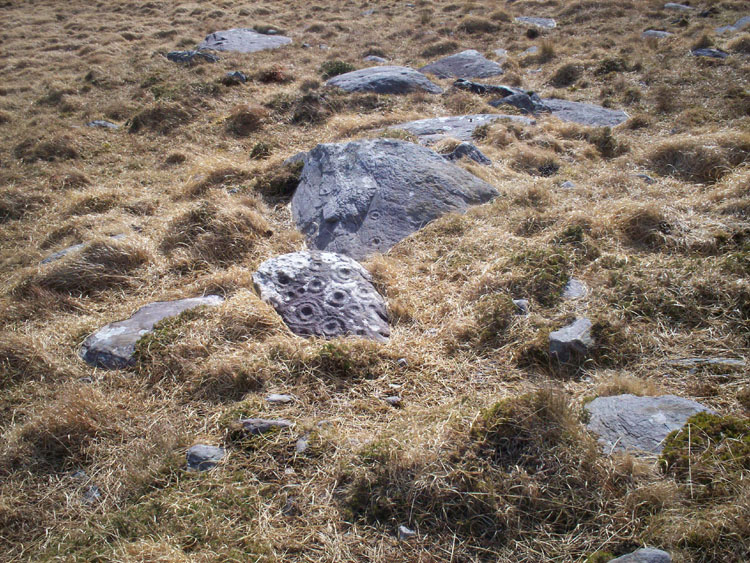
<point x="242" y="40"/>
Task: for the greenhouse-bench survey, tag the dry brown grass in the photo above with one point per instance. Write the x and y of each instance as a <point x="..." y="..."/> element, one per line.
<point x="700" y="160"/>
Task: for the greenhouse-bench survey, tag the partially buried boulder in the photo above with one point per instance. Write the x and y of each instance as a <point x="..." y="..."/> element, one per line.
<point x="202" y="457"/>
<point x="628" y="422"/>
<point x="384" y="80"/>
<point x="459" y="127"/>
<point x="466" y="64"/>
<point x="467" y="150"/>
<point x="242" y="40"/>
<point x="113" y="346"/>
<point x="323" y="294"/>
<point x="644" y="555"/>
<point x="585" y="114"/>
<point x="363" y="197"/>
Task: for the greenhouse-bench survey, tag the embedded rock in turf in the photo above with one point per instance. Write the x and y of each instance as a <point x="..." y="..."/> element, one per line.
<point x="323" y="294"/>
<point x="710" y="52"/>
<point x="363" y="197"/>
<point x="523" y="101"/>
<point x="585" y="114"/>
<point x="739" y="25"/>
<point x="257" y="426"/>
<point x="571" y="342"/>
<point x="113" y="346"/>
<point x="202" y="457"/>
<point x="460" y="127"/>
<point x="242" y="40"/>
<point x="62" y="253"/>
<point x="677" y="7"/>
<point x="627" y="422"/>
<point x="189" y="57"/>
<point x="545" y="23"/>
<point x="384" y="80"/>
<point x="467" y="150"/>
<point x="655" y="33"/>
<point x="466" y="64"/>
<point x="644" y="555"/>
<point x="102" y="124"/>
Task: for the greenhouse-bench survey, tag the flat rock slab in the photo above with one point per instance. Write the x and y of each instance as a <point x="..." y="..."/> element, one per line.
<point x="677" y="7"/>
<point x="258" y="426"/>
<point x="113" y="346"/>
<point x="571" y="342"/>
<point x="62" y="253"/>
<point x="628" y="422"/>
<point x="655" y="33"/>
<point x="575" y="289"/>
<point x="479" y="88"/>
<point x="460" y="127"/>
<point x="545" y="23"/>
<point x="375" y="59"/>
<point x="710" y="52"/>
<point x="644" y="555"/>
<point x="202" y="457"/>
<point x="323" y="294"/>
<point x="190" y="57"/>
<point x="585" y="114"/>
<point x="532" y="104"/>
<point x="242" y="40"/>
<point x="466" y="64"/>
<point x="737" y="26"/>
<point x="363" y="197"/>
<point x="384" y="80"/>
<point x="278" y="399"/>
<point x="102" y="124"/>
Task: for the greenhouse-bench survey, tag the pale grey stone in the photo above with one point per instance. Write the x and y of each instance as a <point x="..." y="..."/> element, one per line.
<point x="242" y="40"/>
<point x="393" y="400"/>
<point x="737" y="26"/>
<point x="572" y="342"/>
<point x="466" y="64"/>
<point x="102" y="124"/>
<point x="522" y="306"/>
<point x="567" y="184"/>
<point x="405" y="533"/>
<point x="644" y="555"/>
<point x="278" y="399"/>
<point x="61" y="253"/>
<point x="655" y="33"/>
<point x="384" y="80"/>
<point x="461" y="127"/>
<point x="202" y="457"/>
<point x="575" y="289"/>
<point x="258" y="426"/>
<point x="545" y="23"/>
<point x="710" y="52"/>
<point x="677" y="7"/>
<point x="585" y="114"/>
<point x="375" y="59"/>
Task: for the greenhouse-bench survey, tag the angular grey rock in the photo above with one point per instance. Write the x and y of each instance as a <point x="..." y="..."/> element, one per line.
<point x="258" y="426"/>
<point x="364" y="196"/>
<point x="323" y="294"/>
<point x="189" y="57"/>
<point x="102" y="124"/>
<point x="710" y="52"/>
<point x="202" y="457"/>
<point x="522" y="306"/>
<point x="467" y="150"/>
<point x="405" y="533"/>
<point x="393" y="400"/>
<point x="375" y="59"/>
<point x="628" y="422"/>
<point x="460" y="126"/>
<point x="567" y="184"/>
<point x="655" y="33"/>
<point x="646" y="178"/>
<point x="466" y="64"/>
<point x="275" y="398"/>
<point x="644" y="555"/>
<point x="242" y="40"/>
<point x="303" y="442"/>
<point x="61" y="253"/>
<point x="572" y="342"/>
<point x="546" y="23"/>
<point x="479" y="88"/>
<point x="384" y="80"/>
<point x="585" y="114"/>
<point x="677" y="7"/>
<point x="402" y="363"/>
<point x="234" y="78"/>
<point x="575" y="289"/>
<point x="526" y="103"/>
<point x="739" y="25"/>
<point x="113" y="346"/>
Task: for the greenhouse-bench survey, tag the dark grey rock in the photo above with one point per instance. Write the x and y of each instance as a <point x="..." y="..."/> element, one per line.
<point x="737" y="26"/>
<point x="364" y="196"/>
<point x="575" y="289"/>
<point x="585" y="114"/>
<point x="459" y="127"/>
<point x="526" y="103"/>
<point x="258" y="426"/>
<point x="572" y="342"/>
<point x="234" y="78"/>
<point x="479" y="88"/>
<point x="646" y="178"/>
<point x="522" y="306"/>
<point x="190" y="57"/>
<point x="402" y="363"/>
<point x="467" y="150"/>
<point x="466" y="64"/>
<point x="655" y="33"/>
<point x="278" y="399"/>
<point x="375" y="59"/>
<point x="202" y="457"/>
<point x="323" y="294"/>
<point x="242" y="40"/>
<point x="62" y="253"/>
<point x="545" y="23"/>
<point x="405" y="533"/>
<point x="677" y="7"/>
<point x="100" y="123"/>
<point x="644" y="555"/>
<point x="710" y="52"/>
<point x="393" y="400"/>
<point x="384" y="80"/>
<point x="628" y="422"/>
<point x="113" y="346"/>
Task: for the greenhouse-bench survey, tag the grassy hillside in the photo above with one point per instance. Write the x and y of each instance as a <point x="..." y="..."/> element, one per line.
<point x="487" y="457"/>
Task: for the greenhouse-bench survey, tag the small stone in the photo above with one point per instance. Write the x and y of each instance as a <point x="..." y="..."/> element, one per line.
<point x="402" y="363"/>
<point x="202" y="457"/>
<point x="61" y="253"/>
<point x="567" y="184"/>
<point x="87" y="380"/>
<point x="323" y="47"/>
<point x="467" y="150"/>
<point x="92" y="494"/>
<point x="522" y="306"/>
<point x="480" y="88"/>
<point x="258" y="426"/>
<point x="405" y="533"/>
<point x="526" y="103"/>
<point x="655" y="33"/>
<point x="368" y="12"/>
<point x="102" y="124"/>
<point x="234" y="78"/>
<point x="275" y="398"/>
<point x="677" y="7"/>
<point x="574" y="289"/>
<point x="302" y="443"/>
<point x="375" y="59"/>
<point x="79" y="475"/>
<point x="190" y="57"/>
<point x="710" y="52"/>
<point x="533" y="50"/>
<point x="572" y="342"/>
<point x="544" y="23"/>
<point x="646" y="178"/>
<point x="644" y="555"/>
<point x="501" y="53"/>
<point x="393" y="400"/>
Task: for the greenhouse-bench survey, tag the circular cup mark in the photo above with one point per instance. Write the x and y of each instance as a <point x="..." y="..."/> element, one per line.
<point x="337" y="298"/>
<point x="316" y="285"/>
<point x="333" y="326"/>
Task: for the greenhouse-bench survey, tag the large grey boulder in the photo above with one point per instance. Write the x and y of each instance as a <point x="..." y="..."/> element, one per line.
<point x="363" y="197"/>
<point x="323" y="294"/>
<point x="384" y="80"/>
<point x="466" y="64"/>
<point x="572" y="342"/>
<point x="628" y="422"/>
<point x="202" y="457"/>
<point x="585" y="114"/>
<point x="544" y="23"/>
<point x="460" y="127"/>
<point x="644" y="555"/>
<point x="242" y="40"/>
<point x="739" y="25"/>
<point x="113" y="346"/>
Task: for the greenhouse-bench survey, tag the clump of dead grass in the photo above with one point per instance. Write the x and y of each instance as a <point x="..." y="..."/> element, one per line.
<point x="23" y="358"/>
<point x="58" y="148"/>
<point x="475" y="25"/>
<point x="161" y="117"/>
<point x="222" y="177"/>
<point x="245" y="120"/>
<point x="566" y="75"/>
<point x="16" y="203"/>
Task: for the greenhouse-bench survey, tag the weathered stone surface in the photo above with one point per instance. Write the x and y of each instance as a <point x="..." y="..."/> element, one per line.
<point x="189" y="57"/>
<point x="479" y="88"/>
<point x="384" y="80"/>
<point x="460" y="126"/>
<point x="710" y="52"/>
<point x="737" y="26"/>
<point x="242" y="40"/>
<point x="567" y="184"/>
<point x="466" y="64"/>
<point x="393" y="400"/>
<point x="545" y="23"/>
<point x="644" y="555"/>
<point x="234" y="78"/>
<point x="202" y="457"/>
<point x="62" y="253"/>
<point x="677" y="7"/>
<point x="278" y="399"/>
<point x="467" y="150"/>
<point x="719" y="363"/>
<point x="258" y="426"/>
<point x="575" y="289"/>
<point x="102" y="124"/>
<point x="526" y="103"/>
<point x="375" y="59"/>
<point x="585" y="114"/>
<point x="646" y="178"/>
<point x="405" y="533"/>
<point x="522" y="306"/>
<point x="628" y="422"/>
<point x="363" y="197"/>
<point x="571" y="342"/>
<point x="113" y="346"/>
<point x="323" y="294"/>
<point x="655" y="33"/>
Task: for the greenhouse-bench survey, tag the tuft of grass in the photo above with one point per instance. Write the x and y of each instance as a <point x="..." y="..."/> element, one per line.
<point x="440" y="48"/>
<point x="162" y="118"/>
<point x="245" y="119"/>
<point x="16" y="203"/>
<point x="218" y="178"/>
<point x="275" y="74"/>
<point x="704" y="160"/>
<point x="329" y="69"/>
<point x="58" y="148"/>
<point x="476" y="24"/>
<point x="566" y="75"/>
<point x="23" y="358"/>
<point x="741" y="44"/>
